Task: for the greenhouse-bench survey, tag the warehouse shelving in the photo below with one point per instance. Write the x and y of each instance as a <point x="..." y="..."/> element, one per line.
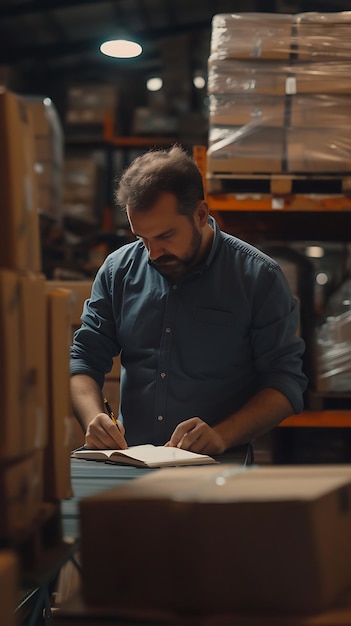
<point x="321" y="419"/>
<point x="282" y="212"/>
<point x="132" y="141"/>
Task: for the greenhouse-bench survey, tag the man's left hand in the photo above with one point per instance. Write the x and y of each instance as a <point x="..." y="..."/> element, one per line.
<point x="195" y="435"/>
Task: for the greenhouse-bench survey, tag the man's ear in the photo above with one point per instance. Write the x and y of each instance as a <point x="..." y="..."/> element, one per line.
<point x="201" y="213"/>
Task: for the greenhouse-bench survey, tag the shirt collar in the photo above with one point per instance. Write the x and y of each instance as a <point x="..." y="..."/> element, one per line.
<point x="215" y="241"/>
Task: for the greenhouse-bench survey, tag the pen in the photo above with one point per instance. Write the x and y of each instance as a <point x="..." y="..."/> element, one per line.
<point x="110" y="413"/>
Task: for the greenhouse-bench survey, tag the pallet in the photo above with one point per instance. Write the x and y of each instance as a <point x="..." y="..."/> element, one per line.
<point x="324" y="401"/>
<point x="278" y="184"/>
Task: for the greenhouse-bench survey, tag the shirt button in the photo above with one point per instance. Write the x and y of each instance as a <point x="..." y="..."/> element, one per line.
<point x="163" y="375"/>
<point x="160" y="418"/>
<point x="174" y="287"/>
<point x="168" y="330"/>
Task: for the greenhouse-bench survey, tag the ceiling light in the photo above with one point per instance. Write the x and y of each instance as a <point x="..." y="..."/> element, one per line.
<point x="154" y="84"/>
<point x="121" y="48"/>
<point x="316" y="252"/>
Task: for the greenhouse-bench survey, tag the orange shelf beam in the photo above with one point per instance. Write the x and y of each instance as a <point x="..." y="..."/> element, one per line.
<point x="318" y="419"/>
<point x="132" y="142"/>
<point x="233" y="202"/>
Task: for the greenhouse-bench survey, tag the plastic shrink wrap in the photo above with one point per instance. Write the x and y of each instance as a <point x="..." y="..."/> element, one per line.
<point x="333" y="343"/>
<point x="279" y="89"/>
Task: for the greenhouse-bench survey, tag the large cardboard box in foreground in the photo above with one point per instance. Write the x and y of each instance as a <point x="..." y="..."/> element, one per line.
<point x="220" y="539"/>
<point x="9" y="588"/>
<point x="21" y="495"/>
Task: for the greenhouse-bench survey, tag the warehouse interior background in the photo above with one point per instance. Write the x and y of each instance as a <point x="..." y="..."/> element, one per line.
<point x="49" y="52"/>
<point x="48" y="46"/>
<point x="71" y="119"/>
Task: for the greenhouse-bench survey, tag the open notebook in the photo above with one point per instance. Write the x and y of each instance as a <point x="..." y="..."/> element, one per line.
<point x="146" y="456"/>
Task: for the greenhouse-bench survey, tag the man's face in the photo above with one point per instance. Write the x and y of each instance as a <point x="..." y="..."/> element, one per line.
<point x="174" y="241"/>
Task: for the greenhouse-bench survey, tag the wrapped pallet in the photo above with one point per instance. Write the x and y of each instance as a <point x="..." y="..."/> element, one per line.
<point x="286" y="72"/>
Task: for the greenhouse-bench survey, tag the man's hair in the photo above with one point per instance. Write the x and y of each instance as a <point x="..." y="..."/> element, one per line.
<point x="161" y="171"/>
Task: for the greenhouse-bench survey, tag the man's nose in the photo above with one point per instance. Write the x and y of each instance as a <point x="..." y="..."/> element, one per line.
<point x="155" y="250"/>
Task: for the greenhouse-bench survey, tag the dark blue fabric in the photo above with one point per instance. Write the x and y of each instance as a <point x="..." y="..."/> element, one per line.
<point x="201" y="347"/>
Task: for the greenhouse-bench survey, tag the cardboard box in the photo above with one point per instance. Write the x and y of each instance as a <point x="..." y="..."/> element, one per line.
<point x="319" y="150"/>
<point x="11" y="399"/>
<point x="23" y="402"/>
<point x="41" y="120"/>
<point x="43" y="149"/>
<point x="48" y="148"/>
<point x="88" y="104"/>
<point x="80" y="292"/>
<point x="324" y="35"/>
<point x="21" y="495"/>
<point x="245" y="150"/>
<point x="9" y="587"/>
<point x="240" y="110"/>
<point x="19" y="234"/>
<point x="146" y="121"/>
<point x="33" y="336"/>
<point x="57" y="469"/>
<point x="229" y="76"/>
<point x="322" y="78"/>
<point x="320" y="111"/>
<point x="80" y="190"/>
<point x="220" y="539"/>
<point x="92" y="96"/>
<point x="252" y="35"/>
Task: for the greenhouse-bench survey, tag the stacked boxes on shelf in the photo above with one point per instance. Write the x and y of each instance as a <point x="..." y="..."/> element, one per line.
<point x="87" y="107"/>
<point x="33" y="441"/>
<point x="81" y="189"/>
<point x="279" y="94"/>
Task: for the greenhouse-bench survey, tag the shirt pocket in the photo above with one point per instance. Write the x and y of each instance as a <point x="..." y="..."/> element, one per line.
<point x="214" y="317"/>
<point x="219" y="343"/>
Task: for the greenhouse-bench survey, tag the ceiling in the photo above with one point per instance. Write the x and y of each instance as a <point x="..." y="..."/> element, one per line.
<point x="46" y="45"/>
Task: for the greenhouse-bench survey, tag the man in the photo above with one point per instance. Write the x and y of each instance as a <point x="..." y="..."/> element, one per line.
<point x="205" y="324"/>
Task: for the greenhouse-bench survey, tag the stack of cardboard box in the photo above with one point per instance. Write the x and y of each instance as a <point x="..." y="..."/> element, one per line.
<point x="88" y="104"/>
<point x="280" y="93"/>
<point x="88" y="108"/>
<point x="80" y="189"/>
<point x="80" y="291"/>
<point x="34" y="339"/>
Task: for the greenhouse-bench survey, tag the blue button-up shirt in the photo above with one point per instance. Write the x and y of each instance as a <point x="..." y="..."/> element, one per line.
<point x="200" y="347"/>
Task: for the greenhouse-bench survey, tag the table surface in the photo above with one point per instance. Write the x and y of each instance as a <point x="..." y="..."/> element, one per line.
<point x="76" y="612"/>
<point x="91" y="477"/>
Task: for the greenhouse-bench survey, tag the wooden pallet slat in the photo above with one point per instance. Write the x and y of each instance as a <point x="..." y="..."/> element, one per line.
<point x="279" y="184"/>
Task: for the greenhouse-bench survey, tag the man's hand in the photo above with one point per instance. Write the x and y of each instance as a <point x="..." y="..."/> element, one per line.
<point x="195" y="435"/>
<point x="103" y="434"/>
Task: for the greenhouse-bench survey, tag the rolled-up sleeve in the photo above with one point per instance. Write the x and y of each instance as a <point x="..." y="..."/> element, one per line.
<point x="95" y="343"/>
<point x="277" y="348"/>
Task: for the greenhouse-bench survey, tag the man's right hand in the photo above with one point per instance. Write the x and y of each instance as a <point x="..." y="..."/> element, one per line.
<point x="103" y="434"/>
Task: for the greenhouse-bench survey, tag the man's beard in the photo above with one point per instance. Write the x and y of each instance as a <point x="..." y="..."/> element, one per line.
<point x="173" y="266"/>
